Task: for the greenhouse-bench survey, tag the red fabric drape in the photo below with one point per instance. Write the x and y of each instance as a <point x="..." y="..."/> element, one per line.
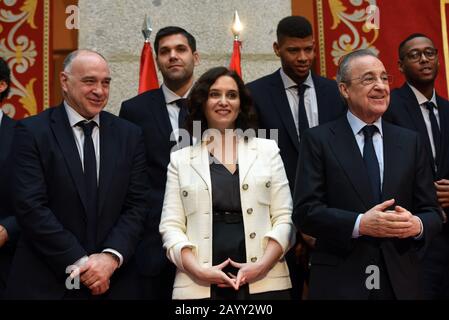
<point x="25" y="46"/>
<point x="235" y="63"/>
<point x="341" y="27"/>
<point x="148" y="77"/>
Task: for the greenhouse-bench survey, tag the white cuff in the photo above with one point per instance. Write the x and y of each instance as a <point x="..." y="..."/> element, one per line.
<point x="355" y="231"/>
<point x="115" y="252"/>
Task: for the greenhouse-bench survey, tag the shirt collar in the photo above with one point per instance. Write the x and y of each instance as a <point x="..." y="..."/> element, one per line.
<point x="289" y="83"/>
<point x="357" y="124"/>
<point x="75" y="117"/>
<point x="421" y="98"/>
<point x="170" y="96"/>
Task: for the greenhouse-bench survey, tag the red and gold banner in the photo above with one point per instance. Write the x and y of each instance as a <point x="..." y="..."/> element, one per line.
<point x="25" y="46"/>
<point x="346" y="25"/>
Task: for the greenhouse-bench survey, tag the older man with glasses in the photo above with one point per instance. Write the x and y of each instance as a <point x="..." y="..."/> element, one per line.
<point x="365" y="193"/>
<point x="417" y="106"/>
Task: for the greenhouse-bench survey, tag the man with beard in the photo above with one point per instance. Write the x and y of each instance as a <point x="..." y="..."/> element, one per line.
<point x="291" y="100"/>
<point x="417" y="106"/>
<point x="160" y="113"/>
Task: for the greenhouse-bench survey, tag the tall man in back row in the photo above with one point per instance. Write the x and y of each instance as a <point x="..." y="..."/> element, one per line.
<point x="160" y="113"/>
<point x="291" y="100"/>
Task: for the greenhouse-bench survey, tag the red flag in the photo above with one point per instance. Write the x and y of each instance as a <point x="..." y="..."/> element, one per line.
<point x="235" y="58"/>
<point x="148" y="76"/>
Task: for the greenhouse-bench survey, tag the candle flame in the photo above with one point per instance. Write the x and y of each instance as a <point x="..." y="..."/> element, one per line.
<point x="236" y="25"/>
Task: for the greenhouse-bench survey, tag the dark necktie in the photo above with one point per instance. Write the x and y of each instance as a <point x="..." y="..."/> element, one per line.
<point x="371" y="163"/>
<point x="303" y="122"/>
<point x="435" y="129"/>
<point x="90" y="176"/>
<point x="183" y="112"/>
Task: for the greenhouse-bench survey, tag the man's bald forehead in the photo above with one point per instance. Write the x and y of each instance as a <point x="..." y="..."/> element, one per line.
<point x="71" y="57"/>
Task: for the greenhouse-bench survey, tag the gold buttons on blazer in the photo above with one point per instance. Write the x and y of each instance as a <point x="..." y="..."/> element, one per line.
<point x="249" y="211"/>
<point x="252" y="235"/>
<point x="245" y="186"/>
<point x="253" y="259"/>
<point x="268" y="184"/>
<point x="185" y="193"/>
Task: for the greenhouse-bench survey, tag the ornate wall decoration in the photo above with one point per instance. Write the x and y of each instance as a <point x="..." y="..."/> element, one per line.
<point x="357" y="24"/>
<point x="381" y="25"/>
<point x="24" y="44"/>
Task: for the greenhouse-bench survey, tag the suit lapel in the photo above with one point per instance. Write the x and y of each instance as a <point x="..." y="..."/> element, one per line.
<point x="199" y="161"/>
<point x="109" y="151"/>
<point x="6" y="136"/>
<point x="443" y="113"/>
<point x="247" y="154"/>
<point x="415" y="113"/>
<point x="347" y="152"/>
<point x="321" y="100"/>
<point x="161" y="117"/>
<point x="64" y="136"/>
<point x="280" y="100"/>
<point x="392" y="148"/>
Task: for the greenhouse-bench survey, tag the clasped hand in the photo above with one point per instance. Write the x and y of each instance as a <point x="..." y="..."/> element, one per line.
<point x="248" y="272"/>
<point x="96" y="272"/>
<point x="382" y="223"/>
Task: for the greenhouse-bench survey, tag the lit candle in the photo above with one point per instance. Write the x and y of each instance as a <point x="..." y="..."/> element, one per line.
<point x="236" y="26"/>
<point x="236" y="57"/>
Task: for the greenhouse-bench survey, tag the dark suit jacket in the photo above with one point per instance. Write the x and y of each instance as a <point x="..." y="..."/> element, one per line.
<point x="274" y="112"/>
<point x="149" y="111"/>
<point x="49" y="201"/>
<point x="405" y="111"/>
<point x="7" y="218"/>
<point x="333" y="190"/>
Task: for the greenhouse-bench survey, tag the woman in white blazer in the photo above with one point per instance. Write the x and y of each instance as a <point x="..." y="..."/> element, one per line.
<point x="226" y="219"/>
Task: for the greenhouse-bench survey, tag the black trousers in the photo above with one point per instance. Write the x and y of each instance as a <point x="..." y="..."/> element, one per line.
<point x="436" y="267"/>
<point x="158" y="287"/>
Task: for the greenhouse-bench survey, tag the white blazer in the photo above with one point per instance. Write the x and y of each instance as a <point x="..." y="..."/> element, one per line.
<point x="186" y="219"/>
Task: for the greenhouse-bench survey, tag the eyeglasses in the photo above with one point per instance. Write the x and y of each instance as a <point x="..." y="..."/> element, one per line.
<point x="415" y="55"/>
<point x="369" y="79"/>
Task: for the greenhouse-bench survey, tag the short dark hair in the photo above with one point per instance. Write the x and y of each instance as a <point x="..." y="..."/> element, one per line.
<point x="5" y="75"/>
<point x="295" y="27"/>
<point x="410" y="37"/>
<point x="171" y="30"/>
<point x="199" y="94"/>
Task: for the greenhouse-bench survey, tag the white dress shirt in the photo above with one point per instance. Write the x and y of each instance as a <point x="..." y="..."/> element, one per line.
<point x="357" y="125"/>
<point x="425" y="113"/>
<point x="78" y="134"/>
<point x="1" y="116"/>
<point x="173" y="109"/>
<point x="310" y="100"/>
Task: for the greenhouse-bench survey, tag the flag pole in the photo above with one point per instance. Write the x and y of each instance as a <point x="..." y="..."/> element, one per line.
<point x="147" y="76"/>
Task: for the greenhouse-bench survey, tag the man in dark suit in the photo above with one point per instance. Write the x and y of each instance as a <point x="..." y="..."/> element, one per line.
<point x="160" y="113"/>
<point x="365" y="193"/>
<point x="80" y="193"/>
<point x="417" y="106"/>
<point x="291" y="100"/>
<point x="9" y="229"/>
